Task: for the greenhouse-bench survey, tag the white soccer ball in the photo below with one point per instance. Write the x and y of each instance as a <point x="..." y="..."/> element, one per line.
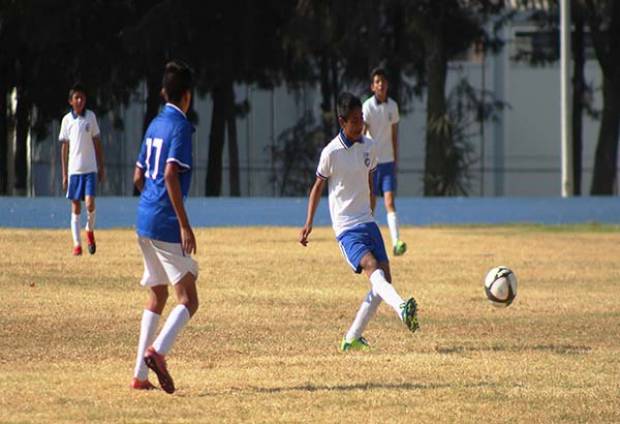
<point x="500" y="286"/>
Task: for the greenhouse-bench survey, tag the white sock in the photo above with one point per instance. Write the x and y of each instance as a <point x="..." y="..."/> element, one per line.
<point x="148" y="327"/>
<point x="173" y="326"/>
<point x="392" y="220"/>
<point x="364" y="314"/>
<point x="90" y="221"/>
<point x="381" y="287"/>
<point x="75" y="229"/>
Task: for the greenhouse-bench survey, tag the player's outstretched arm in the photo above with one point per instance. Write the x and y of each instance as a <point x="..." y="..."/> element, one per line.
<point x="173" y="186"/>
<point x="313" y="203"/>
<point x="138" y="178"/>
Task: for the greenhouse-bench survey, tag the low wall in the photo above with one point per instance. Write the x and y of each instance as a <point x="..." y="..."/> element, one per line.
<point x="53" y="212"/>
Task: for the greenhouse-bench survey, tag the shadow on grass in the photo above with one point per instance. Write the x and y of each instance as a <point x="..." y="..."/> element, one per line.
<point x="560" y="349"/>
<point x="310" y="388"/>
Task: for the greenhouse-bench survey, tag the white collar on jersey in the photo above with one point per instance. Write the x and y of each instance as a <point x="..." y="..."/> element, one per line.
<point x="177" y="108"/>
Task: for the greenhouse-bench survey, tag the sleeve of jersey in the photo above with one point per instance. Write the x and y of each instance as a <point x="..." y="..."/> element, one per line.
<point x="96" y="132"/>
<point x="396" y="115"/>
<point x="141" y="161"/>
<point x="180" y="151"/>
<point x="323" y="171"/>
<point x="63" y="136"/>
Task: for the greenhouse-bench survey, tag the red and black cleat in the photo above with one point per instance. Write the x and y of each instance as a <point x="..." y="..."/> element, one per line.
<point x="157" y="363"/>
<point x="92" y="246"/>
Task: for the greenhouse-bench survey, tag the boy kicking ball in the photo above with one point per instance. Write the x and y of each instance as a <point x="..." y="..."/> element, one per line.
<point x="347" y="163"/>
<point x="82" y="164"/>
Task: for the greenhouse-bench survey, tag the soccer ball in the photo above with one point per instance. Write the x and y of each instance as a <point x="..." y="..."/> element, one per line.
<point x="500" y="286"/>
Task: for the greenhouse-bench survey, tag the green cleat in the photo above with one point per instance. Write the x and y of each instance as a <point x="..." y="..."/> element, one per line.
<point x="357" y="344"/>
<point x="409" y="314"/>
<point x="400" y="248"/>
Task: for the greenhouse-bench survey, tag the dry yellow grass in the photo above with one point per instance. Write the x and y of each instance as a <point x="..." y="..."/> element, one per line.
<point x="263" y="346"/>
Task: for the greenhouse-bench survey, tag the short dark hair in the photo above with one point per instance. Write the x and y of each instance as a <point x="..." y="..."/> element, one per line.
<point x="177" y="80"/>
<point x="346" y="103"/>
<point x="77" y="87"/>
<point x="377" y="72"/>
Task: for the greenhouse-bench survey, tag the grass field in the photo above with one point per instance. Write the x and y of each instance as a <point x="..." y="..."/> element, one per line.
<point x="263" y="345"/>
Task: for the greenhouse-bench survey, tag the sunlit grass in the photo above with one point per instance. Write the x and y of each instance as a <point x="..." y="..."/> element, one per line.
<point x="263" y="345"/>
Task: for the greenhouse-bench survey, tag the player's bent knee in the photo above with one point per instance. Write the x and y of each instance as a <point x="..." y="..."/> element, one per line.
<point x="369" y="263"/>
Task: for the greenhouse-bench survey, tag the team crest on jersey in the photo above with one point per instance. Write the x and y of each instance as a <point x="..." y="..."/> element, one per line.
<point x="367" y="159"/>
<point x="87" y="127"/>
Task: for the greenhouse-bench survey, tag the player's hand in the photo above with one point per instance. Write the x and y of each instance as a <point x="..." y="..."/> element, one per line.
<point x="101" y="174"/>
<point x="188" y="241"/>
<point x="304" y="233"/>
<point x="65" y="182"/>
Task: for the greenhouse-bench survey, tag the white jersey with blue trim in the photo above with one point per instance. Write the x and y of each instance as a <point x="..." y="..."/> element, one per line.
<point x="79" y="131"/>
<point x="379" y="118"/>
<point x="346" y="165"/>
<point x="167" y="139"/>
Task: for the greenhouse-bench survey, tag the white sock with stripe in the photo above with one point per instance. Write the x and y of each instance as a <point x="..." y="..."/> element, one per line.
<point x="381" y="287"/>
<point x="75" y="229"/>
<point x="392" y="220"/>
<point x="173" y="326"/>
<point x="148" y="327"/>
<point x="364" y="314"/>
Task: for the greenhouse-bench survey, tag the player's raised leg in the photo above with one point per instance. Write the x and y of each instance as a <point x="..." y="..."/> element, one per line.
<point x="380" y="279"/>
<point x="76" y="209"/>
<point x="398" y="246"/>
<point x="90" y="224"/>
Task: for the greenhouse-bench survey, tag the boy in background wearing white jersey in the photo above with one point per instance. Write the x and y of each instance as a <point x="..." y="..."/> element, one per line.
<point x="81" y="157"/>
<point x="347" y="163"/>
<point x="381" y="124"/>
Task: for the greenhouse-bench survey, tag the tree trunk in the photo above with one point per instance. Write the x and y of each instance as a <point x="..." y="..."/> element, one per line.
<point x="605" y="165"/>
<point x="437" y="139"/>
<point x="153" y="100"/>
<point x="394" y="61"/>
<point x="233" y="147"/>
<point x="335" y="82"/>
<point x="578" y="95"/>
<point x="216" y="142"/>
<point x="4" y="140"/>
<point x="153" y="103"/>
<point x="326" y="97"/>
<point x="22" y="126"/>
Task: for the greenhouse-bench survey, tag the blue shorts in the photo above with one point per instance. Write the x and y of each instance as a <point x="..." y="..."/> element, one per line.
<point x="384" y="178"/>
<point x="81" y="185"/>
<point x="358" y="241"/>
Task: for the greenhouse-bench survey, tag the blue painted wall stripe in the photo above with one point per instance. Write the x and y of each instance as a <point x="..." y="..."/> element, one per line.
<point x="112" y="212"/>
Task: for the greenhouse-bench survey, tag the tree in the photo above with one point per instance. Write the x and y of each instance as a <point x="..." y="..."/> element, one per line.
<point x="45" y="62"/>
<point x="446" y="28"/>
<point x="547" y="51"/>
<point x="603" y="18"/>
<point x="209" y="39"/>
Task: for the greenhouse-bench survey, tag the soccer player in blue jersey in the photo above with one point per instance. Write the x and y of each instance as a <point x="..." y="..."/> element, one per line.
<point x="163" y="175"/>
<point x="347" y="163"/>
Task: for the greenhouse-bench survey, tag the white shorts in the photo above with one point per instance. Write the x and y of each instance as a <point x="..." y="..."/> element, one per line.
<point x="164" y="262"/>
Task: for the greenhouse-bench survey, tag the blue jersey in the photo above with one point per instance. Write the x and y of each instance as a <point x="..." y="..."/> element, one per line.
<point x="168" y="139"/>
